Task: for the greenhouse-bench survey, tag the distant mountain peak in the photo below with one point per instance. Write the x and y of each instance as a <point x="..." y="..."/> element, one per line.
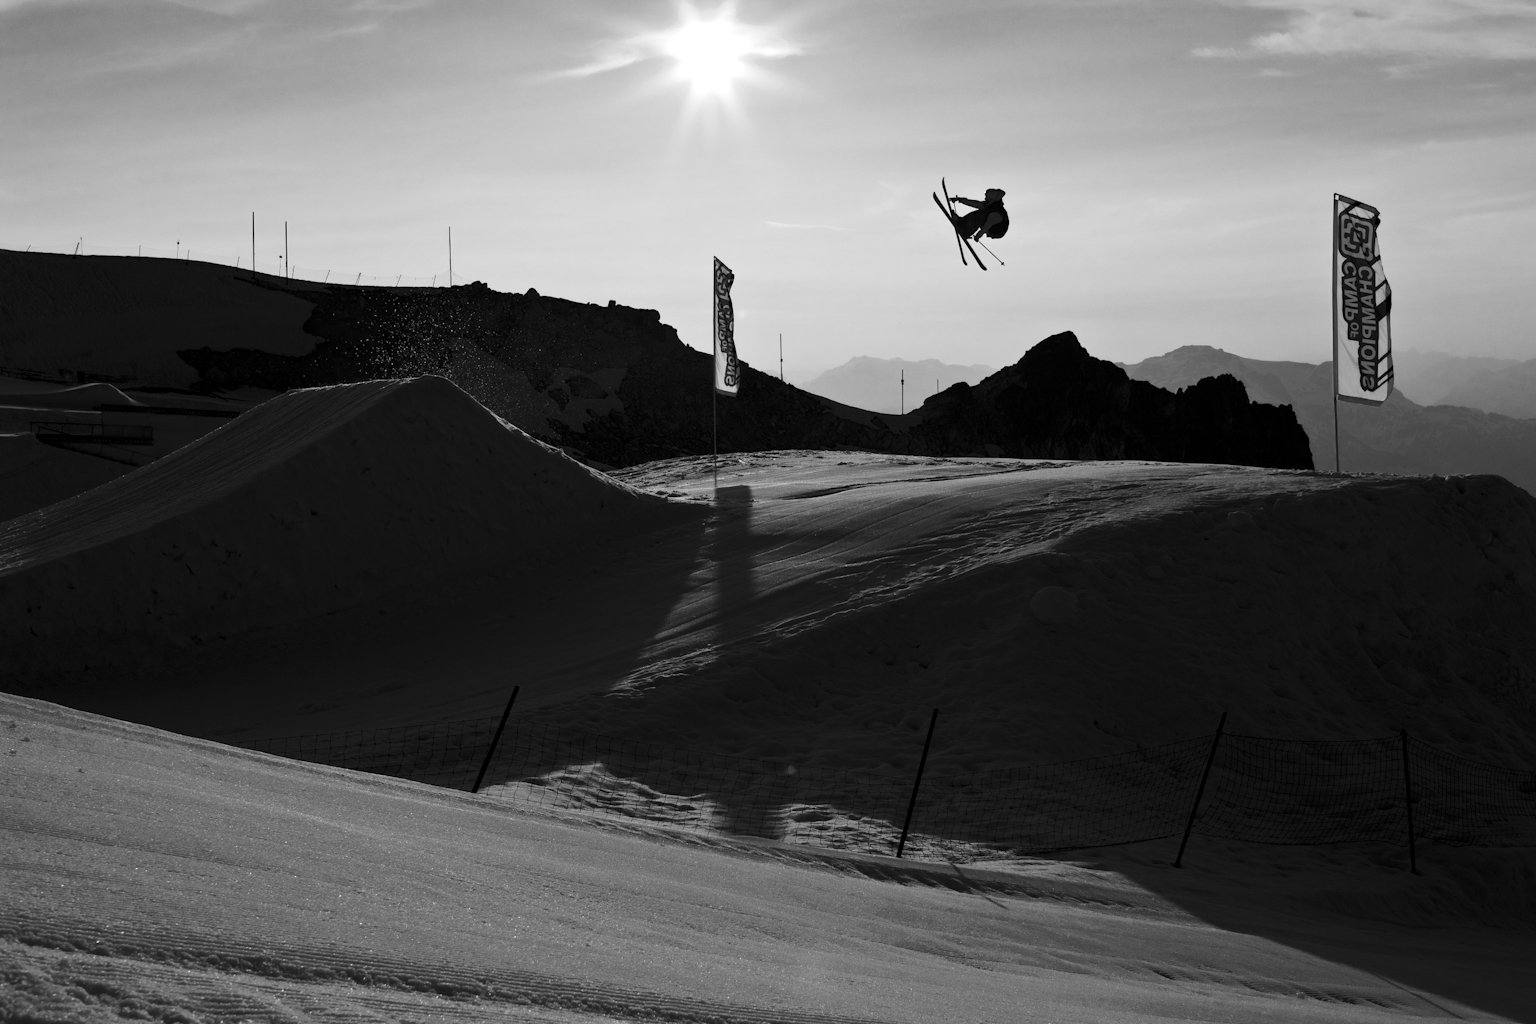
<point x="876" y="382"/>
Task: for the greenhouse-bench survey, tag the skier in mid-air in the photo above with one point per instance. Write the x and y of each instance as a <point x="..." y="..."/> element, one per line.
<point x="987" y="219"/>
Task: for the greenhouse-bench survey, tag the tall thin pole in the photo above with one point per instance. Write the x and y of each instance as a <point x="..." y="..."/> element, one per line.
<point x="287" y="266"/>
<point x="912" y="803"/>
<point x="781" y="355"/>
<point x="450" y="256"/>
<point x="1333" y="317"/>
<point x="1413" y="858"/>
<point x="486" y="764"/>
<point x="1210" y="759"/>
<point x="1338" y="465"/>
<point x="903" y="392"/>
<point x="714" y="368"/>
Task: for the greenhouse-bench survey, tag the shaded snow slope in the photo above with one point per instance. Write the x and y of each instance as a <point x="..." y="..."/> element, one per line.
<point x="127" y="318"/>
<point x="30" y="479"/>
<point x="33" y="474"/>
<point x="314" y="501"/>
<point x="1057" y="611"/>
<point x="830" y="600"/>
<point x="149" y="876"/>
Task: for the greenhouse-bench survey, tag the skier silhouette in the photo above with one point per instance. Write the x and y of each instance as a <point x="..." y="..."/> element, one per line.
<point x="988" y="218"/>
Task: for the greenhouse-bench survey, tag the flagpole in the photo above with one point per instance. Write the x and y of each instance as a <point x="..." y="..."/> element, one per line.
<point x="714" y="368"/>
<point x="1333" y="315"/>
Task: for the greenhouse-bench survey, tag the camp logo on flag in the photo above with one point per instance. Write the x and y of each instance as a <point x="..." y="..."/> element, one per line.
<point x="727" y="369"/>
<point x="1362" y="304"/>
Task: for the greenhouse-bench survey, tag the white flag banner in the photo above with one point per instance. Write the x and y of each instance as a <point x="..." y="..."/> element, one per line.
<point x="1362" y="305"/>
<point x="727" y="369"/>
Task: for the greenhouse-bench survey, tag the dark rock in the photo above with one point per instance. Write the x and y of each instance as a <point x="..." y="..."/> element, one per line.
<point x="1058" y="402"/>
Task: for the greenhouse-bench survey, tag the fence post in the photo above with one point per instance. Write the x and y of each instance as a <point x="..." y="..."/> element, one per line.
<point x="1210" y="759"/>
<point x="486" y="765"/>
<point x="912" y="803"/>
<point x="1413" y="861"/>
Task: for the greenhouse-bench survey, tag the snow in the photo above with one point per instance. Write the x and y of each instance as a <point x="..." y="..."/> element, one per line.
<point x="83" y="397"/>
<point x="308" y="503"/>
<point x="390" y="552"/>
<point x="34" y="474"/>
<point x="151" y="875"/>
<point x="128" y="318"/>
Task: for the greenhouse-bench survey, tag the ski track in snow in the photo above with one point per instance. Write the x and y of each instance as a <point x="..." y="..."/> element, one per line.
<point x="179" y="880"/>
<point x="229" y="978"/>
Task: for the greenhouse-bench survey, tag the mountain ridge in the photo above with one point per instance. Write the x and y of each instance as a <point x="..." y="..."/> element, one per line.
<point x="611" y="385"/>
<point x="1399" y="436"/>
<point x="882" y="384"/>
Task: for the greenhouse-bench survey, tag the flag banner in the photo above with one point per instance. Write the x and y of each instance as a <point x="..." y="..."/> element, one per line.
<point x="1362" y="305"/>
<point x="727" y="369"/>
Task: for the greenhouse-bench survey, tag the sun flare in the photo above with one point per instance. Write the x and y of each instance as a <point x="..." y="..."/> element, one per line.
<point x="709" y="54"/>
<point x="712" y="54"/>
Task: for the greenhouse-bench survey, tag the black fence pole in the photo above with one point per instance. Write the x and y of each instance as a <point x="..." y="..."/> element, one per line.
<point x="1413" y="860"/>
<point x="1210" y="759"/>
<point x="486" y="766"/>
<point x="912" y="803"/>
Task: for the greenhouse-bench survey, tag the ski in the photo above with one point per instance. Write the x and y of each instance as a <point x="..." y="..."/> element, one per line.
<point x="947" y="206"/>
<point x="951" y="218"/>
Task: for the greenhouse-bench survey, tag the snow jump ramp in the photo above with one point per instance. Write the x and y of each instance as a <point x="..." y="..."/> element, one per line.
<point x="314" y="501"/>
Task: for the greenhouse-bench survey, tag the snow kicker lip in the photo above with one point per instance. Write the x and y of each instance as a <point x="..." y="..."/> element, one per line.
<point x="316" y="964"/>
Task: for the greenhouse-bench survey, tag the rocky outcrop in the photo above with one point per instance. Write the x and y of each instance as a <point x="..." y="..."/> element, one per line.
<point x="541" y="363"/>
<point x="1059" y="402"/>
<point x="616" y="386"/>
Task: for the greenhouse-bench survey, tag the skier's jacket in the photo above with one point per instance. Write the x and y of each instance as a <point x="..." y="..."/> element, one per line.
<point x="1000" y="227"/>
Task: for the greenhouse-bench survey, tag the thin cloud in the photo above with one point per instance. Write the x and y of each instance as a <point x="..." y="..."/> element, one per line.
<point x="1467" y="29"/>
<point x="788" y="226"/>
<point x="7" y="6"/>
<point x="759" y="41"/>
<point x="612" y="60"/>
<point x="228" y="8"/>
<point x="387" y="6"/>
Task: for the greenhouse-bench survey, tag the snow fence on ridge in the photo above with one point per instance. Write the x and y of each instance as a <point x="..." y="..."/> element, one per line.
<point x="319" y="499"/>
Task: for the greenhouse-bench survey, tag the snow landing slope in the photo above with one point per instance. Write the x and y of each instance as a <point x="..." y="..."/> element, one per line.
<point x="317" y="500"/>
<point x="152" y="877"/>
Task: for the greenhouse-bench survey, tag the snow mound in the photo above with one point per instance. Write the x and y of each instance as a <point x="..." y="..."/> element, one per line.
<point x="81" y="398"/>
<point x="315" y="501"/>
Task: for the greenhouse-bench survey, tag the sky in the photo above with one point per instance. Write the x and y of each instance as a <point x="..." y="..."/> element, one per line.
<point x="1169" y="167"/>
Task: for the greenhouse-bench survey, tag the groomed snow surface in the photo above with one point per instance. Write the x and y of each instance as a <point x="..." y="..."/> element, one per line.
<point x="390" y="553"/>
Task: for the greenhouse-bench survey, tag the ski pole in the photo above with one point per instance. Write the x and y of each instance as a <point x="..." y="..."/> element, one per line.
<point x="991" y="253"/>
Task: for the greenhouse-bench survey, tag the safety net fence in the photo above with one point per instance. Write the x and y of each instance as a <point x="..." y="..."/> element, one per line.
<point x="1248" y="788"/>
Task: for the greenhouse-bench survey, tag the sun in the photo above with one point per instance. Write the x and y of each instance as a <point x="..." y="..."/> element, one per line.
<point x="712" y="54"/>
<point x="709" y="54"/>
